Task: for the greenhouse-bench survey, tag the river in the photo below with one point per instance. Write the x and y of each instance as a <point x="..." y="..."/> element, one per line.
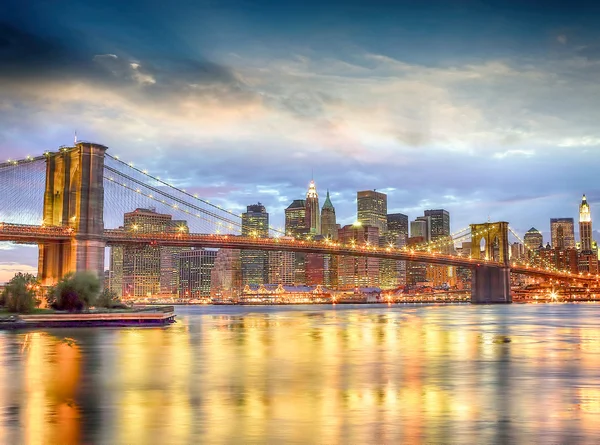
<point x="311" y="374"/>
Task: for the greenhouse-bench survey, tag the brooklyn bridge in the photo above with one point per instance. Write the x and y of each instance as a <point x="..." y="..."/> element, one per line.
<point x="61" y="201"/>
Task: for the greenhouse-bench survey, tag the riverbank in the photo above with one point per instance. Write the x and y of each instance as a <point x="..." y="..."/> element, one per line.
<point x="147" y="316"/>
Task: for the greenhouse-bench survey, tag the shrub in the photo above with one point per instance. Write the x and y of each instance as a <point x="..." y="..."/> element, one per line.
<point x="109" y="300"/>
<point x="74" y="292"/>
<point x="20" y="293"/>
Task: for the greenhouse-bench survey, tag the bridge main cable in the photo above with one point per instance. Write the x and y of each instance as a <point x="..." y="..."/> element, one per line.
<point x="169" y="196"/>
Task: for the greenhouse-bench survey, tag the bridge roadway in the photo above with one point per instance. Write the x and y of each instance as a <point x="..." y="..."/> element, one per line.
<point x="32" y="234"/>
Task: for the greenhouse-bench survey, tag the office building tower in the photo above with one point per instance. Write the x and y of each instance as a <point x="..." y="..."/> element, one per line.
<point x="146" y="270"/>
<point x="439" y="223"/>
<point x="296" y="226"/>
<point x="372" y="209"/>
<point x="281" y="266"/>
<point x="421" y="227"/>
<point x="585" y="225"/>
<point x="517" y="251"/>
<point x="562" y="233"/>
<point x="255" y="223"/>
<point x="195" y="269"/>
<point x="328" y="220"/>
<point x="313" y="212"/>
<point x="533" y="240"/>
<point x="392" y="272"/>
<point x="226" y="274"/>
<point x="358" y="271"/>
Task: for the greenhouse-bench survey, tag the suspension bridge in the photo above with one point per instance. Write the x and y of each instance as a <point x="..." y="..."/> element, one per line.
<point x="71" y="203"/>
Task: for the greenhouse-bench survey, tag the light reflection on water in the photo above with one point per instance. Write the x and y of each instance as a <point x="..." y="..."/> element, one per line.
<point x="435" y="374"/>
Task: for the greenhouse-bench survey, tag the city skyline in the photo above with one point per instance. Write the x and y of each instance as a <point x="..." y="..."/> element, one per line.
<point x="491" y="113"/>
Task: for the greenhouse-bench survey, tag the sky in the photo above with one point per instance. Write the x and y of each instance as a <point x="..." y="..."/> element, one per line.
<point x="489" y="109"/>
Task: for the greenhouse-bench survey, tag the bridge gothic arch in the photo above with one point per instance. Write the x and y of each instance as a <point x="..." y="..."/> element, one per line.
<point x="490" y="241"/>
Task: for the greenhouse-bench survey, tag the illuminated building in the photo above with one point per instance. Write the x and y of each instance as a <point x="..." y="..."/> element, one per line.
<point x="585" y="225"/>
<point x="420" y="227"/>
<point x="195" y="267"/>
<point x="372" y="209"/>
<point x="562" y="259"/>
<point x="255" y="224"/>
<point x="562" y="233"/>
<point x="295" y="225"/>
<point x="328" y="220"/>
<point x="329" y="229"/>
<point x="281" y="266"/>
<point x="295" y="219"/>
<point x="226" y="274"/>
<point x="439" y="226"/>
<point x="588" y="256"/>
<point x="115" y="270"/>
<point x="313" y="212"/>
<point x="169" y="273"/>
<point x="146" y="270"/>
<point x="393" y="273"/>
<point x="517" y="251"/>
<point x="358" y="271"/>
<point x="415" y="272"/>
<point x="533" y="240"/>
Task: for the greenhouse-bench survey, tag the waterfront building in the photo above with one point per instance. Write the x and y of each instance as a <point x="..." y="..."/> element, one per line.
<point x="226" y="274"/>
<point x="372" y="209"/>
<point x="281" y="266"/>
<point x="358" y="271"/>
<point x="562" y="233"/>
<point x="562" y="259"/>
<point x="140" y="271"/>
<point x="255" y="223"/>
<point x="195" y="268"/>
<point x="416" y="273"/>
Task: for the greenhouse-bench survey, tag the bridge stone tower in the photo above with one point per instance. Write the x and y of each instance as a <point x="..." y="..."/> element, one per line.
<point x="490" y="284"/>
<point x="74" y="197"/>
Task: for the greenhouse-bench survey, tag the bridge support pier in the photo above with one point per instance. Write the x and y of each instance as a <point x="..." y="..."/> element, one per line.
<point x="490" y="285"/>
<point x="74" y="198"/>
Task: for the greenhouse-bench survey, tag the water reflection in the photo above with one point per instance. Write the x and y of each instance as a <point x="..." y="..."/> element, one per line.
<point x="407" y="374"/>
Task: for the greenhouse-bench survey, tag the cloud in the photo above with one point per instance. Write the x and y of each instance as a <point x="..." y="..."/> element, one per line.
<point x="464" y="136"/>
<point x="562" y="39"/>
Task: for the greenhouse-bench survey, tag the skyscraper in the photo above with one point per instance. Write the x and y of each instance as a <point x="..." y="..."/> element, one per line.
<point x="328" y="220"/>
<point x="358" y="271"/>
<point x="585" y="225"/>
<point x="255" y="223"/>
<point x="147" y="270"/>
<point x="226" y="274"/>
<point x="296" y="226"/>
<point x="392" y="272"/>
<point x="533" y="240"/>
<point x="195" y="267"/>
<point x="563" y="233"/>
<point x="313" y="212"/>
<point x="295" y="219"/>
<point x="372" y="209"/>
<point x="440" y="223"/>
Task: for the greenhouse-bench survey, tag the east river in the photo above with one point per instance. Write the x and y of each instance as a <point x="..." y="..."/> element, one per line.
<point x="311" y="374"/>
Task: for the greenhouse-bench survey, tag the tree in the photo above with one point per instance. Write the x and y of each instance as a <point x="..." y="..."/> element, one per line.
<point x="74" y="292"/>
<point x="109" y="299"/>
<point x="20" y="293"/>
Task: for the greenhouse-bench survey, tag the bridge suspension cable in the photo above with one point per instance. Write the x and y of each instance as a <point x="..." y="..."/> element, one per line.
<point x="168" y="196"/>
<point x="225" y="216"/>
